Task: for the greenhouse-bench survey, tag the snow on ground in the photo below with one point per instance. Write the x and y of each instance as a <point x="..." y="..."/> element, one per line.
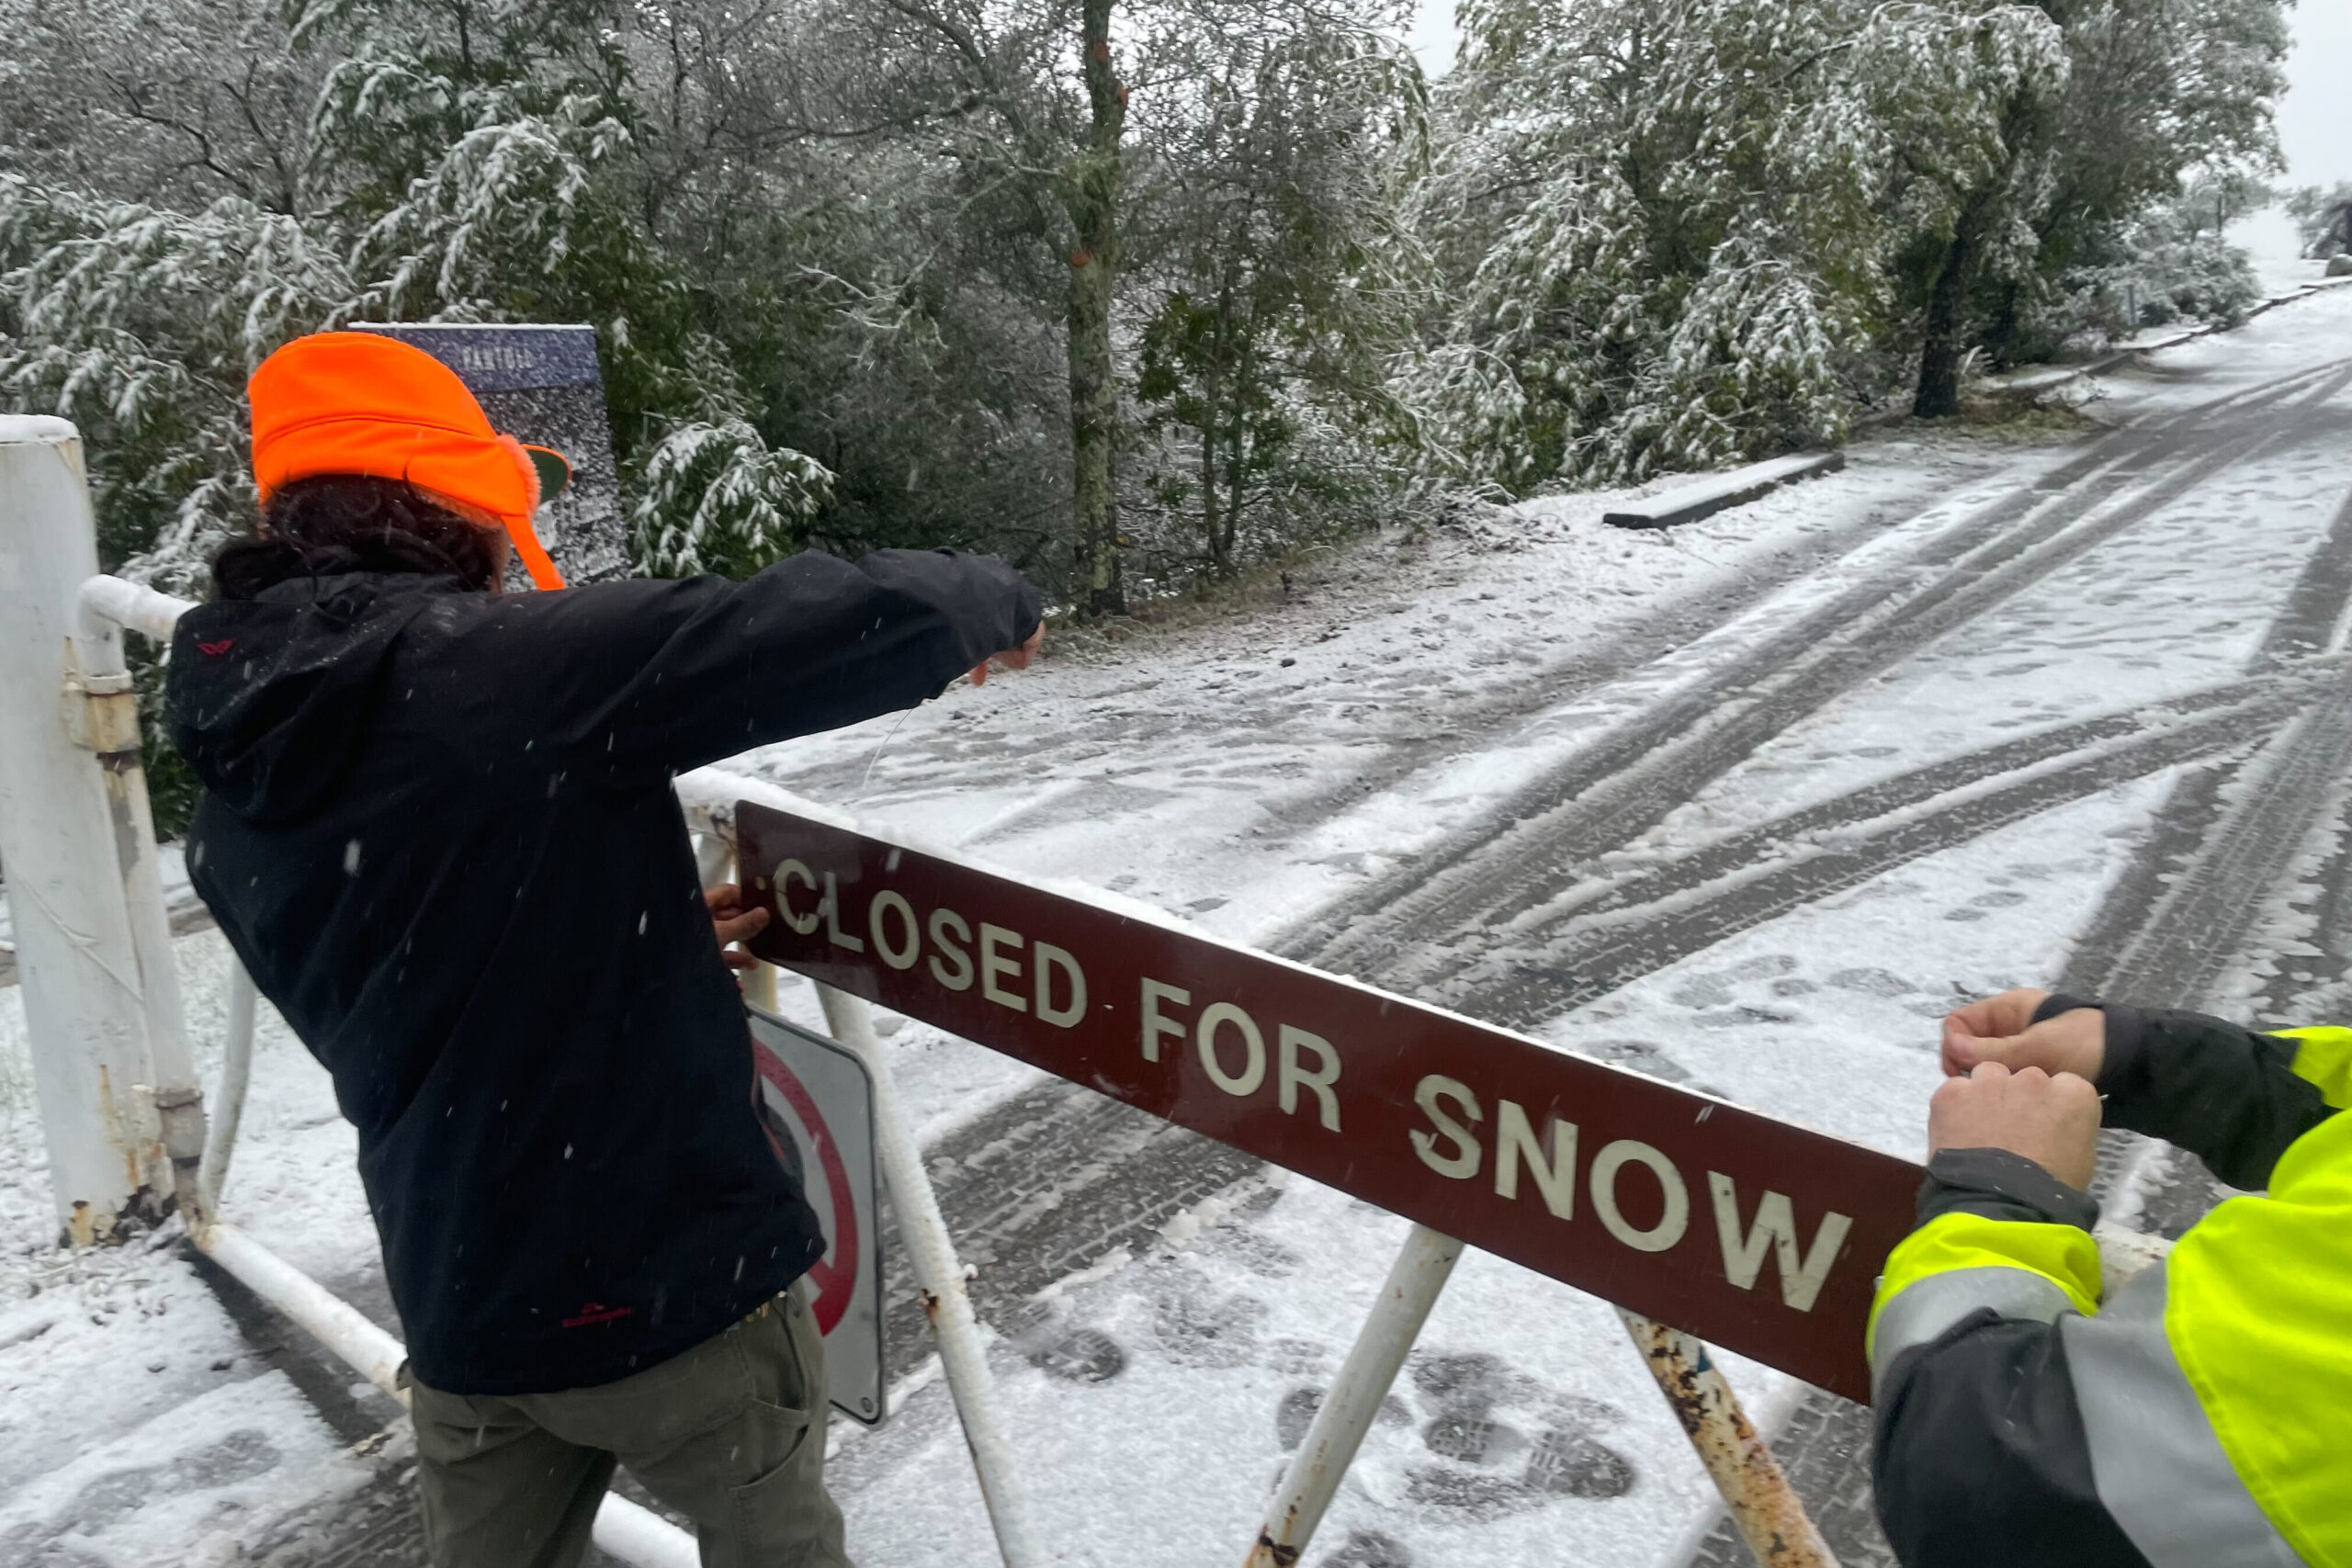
<point x="1235" y="785"/>
<point x="2274" y="248"/>
<point x="2296" y="336"/>
<point x="1526" y="1430"/>
<point x="2179" y="601"/>
<point x="1242" y="774"/>
<point x="136" y="1425"/>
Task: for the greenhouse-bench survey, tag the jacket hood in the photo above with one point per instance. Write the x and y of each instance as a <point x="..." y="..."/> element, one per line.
<point x="270" y="698"/>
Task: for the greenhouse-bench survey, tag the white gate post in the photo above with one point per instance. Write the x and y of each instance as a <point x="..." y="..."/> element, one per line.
<point x="85" y="1007"/>
<point x="1312" y="1479"/>
<point x="931" y="1252"/>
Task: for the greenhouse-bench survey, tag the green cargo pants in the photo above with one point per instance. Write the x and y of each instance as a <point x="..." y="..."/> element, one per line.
<point x="732" y="1434"/>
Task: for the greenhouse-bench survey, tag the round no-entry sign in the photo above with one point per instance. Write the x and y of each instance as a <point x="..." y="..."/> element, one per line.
<point x="818" y="1103"/>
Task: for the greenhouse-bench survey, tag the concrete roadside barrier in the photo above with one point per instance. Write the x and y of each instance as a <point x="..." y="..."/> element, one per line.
<point x="1688" y="503"/>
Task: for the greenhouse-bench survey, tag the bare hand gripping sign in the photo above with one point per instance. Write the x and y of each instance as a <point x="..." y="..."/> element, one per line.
<point x="1759" y="1236"/>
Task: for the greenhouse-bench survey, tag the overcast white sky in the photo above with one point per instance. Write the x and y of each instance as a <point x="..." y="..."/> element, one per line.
<point x="2314" y="123"/>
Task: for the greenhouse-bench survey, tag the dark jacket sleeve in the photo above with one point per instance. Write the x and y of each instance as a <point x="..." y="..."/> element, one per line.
<point x="1978" y="1455"/>
<point x="2227" y="1094"/>
<point x="622" y="680"/>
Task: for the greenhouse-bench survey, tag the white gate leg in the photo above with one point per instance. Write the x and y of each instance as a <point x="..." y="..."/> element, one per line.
<point x="236" y="1074"/>
<point x="940" y="1277"/>
<point x="1313" y="1479"/>
<point x="88" y="1005"/>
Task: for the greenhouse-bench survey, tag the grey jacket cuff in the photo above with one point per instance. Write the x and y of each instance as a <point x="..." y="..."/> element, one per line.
<point x="2000" y="1184"/>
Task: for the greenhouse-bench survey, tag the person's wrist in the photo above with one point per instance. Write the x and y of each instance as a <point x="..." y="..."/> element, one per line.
<point x="2077" y="1045"/>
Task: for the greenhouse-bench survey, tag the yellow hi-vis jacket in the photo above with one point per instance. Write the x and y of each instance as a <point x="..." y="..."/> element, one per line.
<point x="2201" y="1415"/>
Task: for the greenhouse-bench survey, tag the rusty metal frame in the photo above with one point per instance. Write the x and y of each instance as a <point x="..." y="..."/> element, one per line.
<point x="1765" y="1508"/>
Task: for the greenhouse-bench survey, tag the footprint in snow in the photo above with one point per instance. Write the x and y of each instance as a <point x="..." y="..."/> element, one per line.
<point x="1299" y="1407"/>
<point x="1571" y="1464"/>
<point x="1872" y="981"/>
<point x="1640" y="1055"/>
<point x="1701" y="991"/>
<point x="1483" y="1497"/>
<point x="105" y="1502"/>
<point x="1297" y="1358"/>
<point x="1470" y="1384"/>
<point x="1473" y="1439"/>
<point x="1083" y="1355"/>
<point x="1370" y="1548"/>
<point x="1261" y="1254"/>
<point x="1198" y="1326"/>
<point x="1741" y="1017"/>
<point x="1490" y="1464"/>
<point x="20" y="1549"/>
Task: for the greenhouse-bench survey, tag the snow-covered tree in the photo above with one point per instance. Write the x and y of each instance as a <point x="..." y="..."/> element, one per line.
<point x="1270" y="238"/>
<point x="459" y="163"/>
<point x="2322" y="214"/>
<point x="1671" y="229"/>
<point x="718" y="498"/>
<point x="141" y="325"/>
<point x="2155" y="92"/>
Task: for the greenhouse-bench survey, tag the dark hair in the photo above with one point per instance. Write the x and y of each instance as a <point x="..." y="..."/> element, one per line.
<point x="339" y="523"/>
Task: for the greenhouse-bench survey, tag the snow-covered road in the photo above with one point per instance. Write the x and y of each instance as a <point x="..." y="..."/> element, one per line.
<point x="1749" y="804"/>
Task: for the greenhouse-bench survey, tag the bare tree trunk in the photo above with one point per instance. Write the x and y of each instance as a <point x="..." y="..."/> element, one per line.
<point x="1939" y="352"/>
<point x="1237" y="476"/>
<point x="1211" y="516"/>
<point x="1093" y="203"/>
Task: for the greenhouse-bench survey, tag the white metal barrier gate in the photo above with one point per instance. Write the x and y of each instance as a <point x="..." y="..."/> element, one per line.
<point x="125" y="1122"/>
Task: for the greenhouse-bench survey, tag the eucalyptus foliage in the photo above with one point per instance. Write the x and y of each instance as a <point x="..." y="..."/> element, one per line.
<point x="1167" y="286"/>
<point x="1674" y="226"/>
<point x="457" y="162"/>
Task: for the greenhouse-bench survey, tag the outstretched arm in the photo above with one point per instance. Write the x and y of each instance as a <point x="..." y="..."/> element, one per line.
<point x="620" y="681"/>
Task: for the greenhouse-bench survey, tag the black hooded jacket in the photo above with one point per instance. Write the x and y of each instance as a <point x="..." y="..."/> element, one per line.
<point x="438" y="829"/>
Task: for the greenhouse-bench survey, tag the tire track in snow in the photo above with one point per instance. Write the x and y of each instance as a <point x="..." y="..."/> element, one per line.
<point x="2191" y="911"/>
<point x="1003" y="1179"/>
<point x="1046" y="1183"/>
<point x="1646" y="923"/>
<point x="2185" y="908"/>
<point x="1611" y="793"/>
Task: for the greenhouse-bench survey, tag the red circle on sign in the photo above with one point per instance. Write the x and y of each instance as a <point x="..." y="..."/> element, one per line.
<point x="834" y="1282"/>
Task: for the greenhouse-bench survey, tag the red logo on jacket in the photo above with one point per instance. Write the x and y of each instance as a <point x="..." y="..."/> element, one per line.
<point x="596" y="1312"/>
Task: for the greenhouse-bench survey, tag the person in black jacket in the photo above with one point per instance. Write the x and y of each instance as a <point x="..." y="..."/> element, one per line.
<point x="438" y="827"/>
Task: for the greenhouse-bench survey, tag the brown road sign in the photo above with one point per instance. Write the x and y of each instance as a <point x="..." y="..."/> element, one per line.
<point x="1751" y="1232"/>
